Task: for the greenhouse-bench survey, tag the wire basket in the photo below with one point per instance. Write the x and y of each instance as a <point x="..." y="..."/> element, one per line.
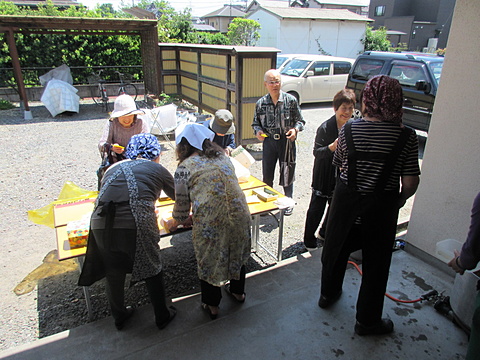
<point x="94" y="79"/>
<point x="126" y="77"/>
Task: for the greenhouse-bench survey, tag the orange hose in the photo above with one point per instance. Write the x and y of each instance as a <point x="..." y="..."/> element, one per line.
<point x="387" y="295"/>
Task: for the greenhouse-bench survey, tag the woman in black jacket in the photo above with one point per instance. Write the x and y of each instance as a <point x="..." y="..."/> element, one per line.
<point x="323" y="181"/>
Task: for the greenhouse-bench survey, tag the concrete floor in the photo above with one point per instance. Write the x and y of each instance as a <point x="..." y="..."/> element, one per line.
<point x="279" y="320"/>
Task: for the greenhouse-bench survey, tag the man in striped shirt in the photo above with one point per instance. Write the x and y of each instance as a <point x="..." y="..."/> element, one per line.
<point x="378" y="161"/>
<point x="277" y="119"/>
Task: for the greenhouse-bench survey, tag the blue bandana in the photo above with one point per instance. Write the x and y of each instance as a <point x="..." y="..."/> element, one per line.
<point x="144" y="145"/>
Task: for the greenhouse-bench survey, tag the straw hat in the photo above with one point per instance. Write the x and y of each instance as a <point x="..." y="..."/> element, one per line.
<point x="125" y="105"/>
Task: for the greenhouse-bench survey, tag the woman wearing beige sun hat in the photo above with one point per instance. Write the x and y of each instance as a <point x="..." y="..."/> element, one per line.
<point x="122" y="125"/>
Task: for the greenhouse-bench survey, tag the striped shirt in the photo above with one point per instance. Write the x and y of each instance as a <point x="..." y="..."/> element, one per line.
<point x="376" y="136"/>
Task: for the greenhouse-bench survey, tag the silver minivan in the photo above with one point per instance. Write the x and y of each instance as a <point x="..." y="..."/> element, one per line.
<point x="315" y="78"/>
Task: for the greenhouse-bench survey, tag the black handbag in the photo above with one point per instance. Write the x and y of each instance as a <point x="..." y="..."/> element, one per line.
<point x="107" y="160"/>
<point x="287" y="166"/>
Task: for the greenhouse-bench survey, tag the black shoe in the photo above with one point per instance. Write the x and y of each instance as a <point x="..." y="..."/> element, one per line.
<point x="209" y="312"/>
<point x="325" y="302"/>
<point x="128" y="314"/>
<point x="385" y="326"/>
<point x="310" y="245"/>
<point x="172" y="311"/>
<point x="228" y="290"/>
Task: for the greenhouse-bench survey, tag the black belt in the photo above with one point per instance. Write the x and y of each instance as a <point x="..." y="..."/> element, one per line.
<point x="274" y="133"/>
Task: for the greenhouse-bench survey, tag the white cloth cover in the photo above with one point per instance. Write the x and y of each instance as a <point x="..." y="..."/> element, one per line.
<point x="59" y="96"/>
<point x="60" y="73"/>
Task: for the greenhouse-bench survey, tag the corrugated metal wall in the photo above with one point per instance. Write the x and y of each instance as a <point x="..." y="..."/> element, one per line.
<point x="218" y="77"/>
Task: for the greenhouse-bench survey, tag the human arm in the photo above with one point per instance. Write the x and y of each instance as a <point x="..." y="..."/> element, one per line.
<point x="470" y="255"/>
<point x="326" y="139"/>
<point x="168" y="183"/>
<point x="105" y="139"/>
<point x="296" y="118"/>
<point x="409" y="185"/>
<point x="230" y="143"/>
<point x="257" y="125"/>
<point x="181" y="209"/>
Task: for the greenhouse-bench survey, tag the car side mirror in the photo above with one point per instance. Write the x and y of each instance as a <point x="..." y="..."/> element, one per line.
<point x="309" y="73"/>
<point x="423" y="86"/>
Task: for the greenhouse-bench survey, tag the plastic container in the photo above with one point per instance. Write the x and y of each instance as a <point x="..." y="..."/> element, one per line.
<point x="445" y="249"/>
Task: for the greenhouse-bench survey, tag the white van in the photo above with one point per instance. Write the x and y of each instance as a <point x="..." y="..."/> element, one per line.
<point x="315" y="78"/>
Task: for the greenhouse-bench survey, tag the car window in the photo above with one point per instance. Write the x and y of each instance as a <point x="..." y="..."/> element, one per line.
<point x="281" y="60"/>
<point x="407" y="74"/>
<point x="320" y="68"/>
<point x="295" y="67"/>
<point x="367" y="68"/>
<point x="341" y="67"/>
<point x="436" y="68"/>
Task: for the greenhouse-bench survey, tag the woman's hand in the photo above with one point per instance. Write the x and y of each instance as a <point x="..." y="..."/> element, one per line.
<point x="333" y="145"/>
<point x="455" y="263"/>
<point x="171" y="225"/>
<point x="118" y="149"/>
<point x="189" y="222"/>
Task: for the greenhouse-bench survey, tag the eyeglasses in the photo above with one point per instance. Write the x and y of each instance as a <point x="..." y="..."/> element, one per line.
<point x="277" y="82"/>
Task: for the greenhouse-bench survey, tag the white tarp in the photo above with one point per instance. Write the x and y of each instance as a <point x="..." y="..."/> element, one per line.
<point x="59" y="97"/>
<point x="59" y="94"/>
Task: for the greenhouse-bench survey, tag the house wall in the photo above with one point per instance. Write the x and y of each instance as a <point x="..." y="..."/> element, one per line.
<point x="451" y="165"/>
<point x="294" y="36"/>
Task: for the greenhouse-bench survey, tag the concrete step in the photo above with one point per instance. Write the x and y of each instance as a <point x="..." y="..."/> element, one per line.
<point x="279" y="320"/>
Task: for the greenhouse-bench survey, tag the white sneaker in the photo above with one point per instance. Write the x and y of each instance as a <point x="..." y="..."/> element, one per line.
<point x="288" y="211"/>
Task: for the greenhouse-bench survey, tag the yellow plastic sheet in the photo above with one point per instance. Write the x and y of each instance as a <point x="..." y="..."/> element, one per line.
<point x="70" y="192"/>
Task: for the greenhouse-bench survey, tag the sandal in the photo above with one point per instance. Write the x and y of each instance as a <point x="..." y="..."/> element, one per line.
<point x="209" y="311"/>
<point x="172" y="311"/>
<point x="233" y="295"/>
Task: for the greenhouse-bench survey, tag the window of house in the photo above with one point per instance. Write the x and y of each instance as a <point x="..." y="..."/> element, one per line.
<point x="380" y="10"/>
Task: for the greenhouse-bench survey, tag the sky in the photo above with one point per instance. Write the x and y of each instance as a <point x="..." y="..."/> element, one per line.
<point x="199" y="7"/>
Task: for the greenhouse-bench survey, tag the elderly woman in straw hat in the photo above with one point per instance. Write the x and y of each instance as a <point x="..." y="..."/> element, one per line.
<point x="206" y="185"/>
<point x="124" y="232"/>
<point x="122" y="125"/>
<point x="223" y="127"/>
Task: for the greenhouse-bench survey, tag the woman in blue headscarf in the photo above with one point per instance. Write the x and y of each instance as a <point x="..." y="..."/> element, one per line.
<point x="124" y="233"/>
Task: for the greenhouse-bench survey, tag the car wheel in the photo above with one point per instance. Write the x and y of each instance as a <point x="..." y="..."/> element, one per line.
<point x="295" y="95"/>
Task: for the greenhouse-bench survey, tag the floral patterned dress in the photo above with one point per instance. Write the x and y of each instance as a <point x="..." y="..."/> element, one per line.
<point x="221" y="230"/>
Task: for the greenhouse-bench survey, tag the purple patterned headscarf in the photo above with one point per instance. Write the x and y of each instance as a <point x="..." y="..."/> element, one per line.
<point x="383" y="99"/>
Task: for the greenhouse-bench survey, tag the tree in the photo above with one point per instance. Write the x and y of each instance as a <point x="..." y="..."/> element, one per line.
<point x="376" y="39"/>
<point x="200" y="37"/>
<point x="243" y="32"/>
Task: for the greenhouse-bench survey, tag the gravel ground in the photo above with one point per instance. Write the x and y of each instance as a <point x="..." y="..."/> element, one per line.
<point x="39" y="293"/>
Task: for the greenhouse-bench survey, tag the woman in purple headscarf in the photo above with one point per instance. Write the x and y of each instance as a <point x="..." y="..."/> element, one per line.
<point x="377" y="157"/>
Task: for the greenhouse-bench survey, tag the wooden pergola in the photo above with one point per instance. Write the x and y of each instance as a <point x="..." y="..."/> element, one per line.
<point x="147" y="29"/>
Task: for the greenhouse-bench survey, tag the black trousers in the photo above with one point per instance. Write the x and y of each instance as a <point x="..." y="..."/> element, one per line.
<point x="314" y="216"/>
<point x="375" y="236"/>
<point x="211" y="295"/>
<point x="273" y="152"/>
<point x="118" y="254"/>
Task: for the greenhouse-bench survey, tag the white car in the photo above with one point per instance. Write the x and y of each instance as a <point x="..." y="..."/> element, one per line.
<point x="284" y="59"/>
<point x="315" y="78"/>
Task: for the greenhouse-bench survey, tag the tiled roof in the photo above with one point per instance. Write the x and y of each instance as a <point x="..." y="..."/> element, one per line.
<point x="315" y="13"/>
<point x="227" y="11"/>
<point x="362" y="3"/>
<point x="204" y="27"/>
